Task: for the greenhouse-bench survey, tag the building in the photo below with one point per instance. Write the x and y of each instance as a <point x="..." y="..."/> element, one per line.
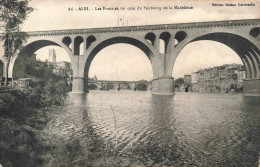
<point x="64" y="64"/>
<point x="194" y="81"/>
<point x="62" y="68"/>
<point x="124" y="87"/>
<point x="220" y="79"/>
<point x="187" y="82"/>
<point x="187" y="79"/>
<point x="22" y="82"/>
<point x="52" y="56"/>
<point x="194" y="77"/>
<point x="241" y="75"/>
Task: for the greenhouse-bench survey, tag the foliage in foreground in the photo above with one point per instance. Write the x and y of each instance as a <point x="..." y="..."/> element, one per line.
<point x="48" y="88"/>
<point x="19" y="128"/>
<point x="23" y="116"/>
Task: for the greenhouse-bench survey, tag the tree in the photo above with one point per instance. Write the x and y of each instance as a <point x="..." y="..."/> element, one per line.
<point x="141" y="87"/>
<point x="92" y="87"/>
<point x="12" y="15"/>
<point x="62" y="87"/>
<point x="179" y="81"/>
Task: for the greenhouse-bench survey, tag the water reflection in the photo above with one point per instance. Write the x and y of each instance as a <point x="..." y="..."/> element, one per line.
<point x="75" y="142"/>
<point x="77" y="99"/>
<point x="160" y="144"/>
<point x="154" y="130"/>
<point x="250" y="136"/>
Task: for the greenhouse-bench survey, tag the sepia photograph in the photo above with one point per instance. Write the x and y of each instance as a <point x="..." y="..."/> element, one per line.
<point x="140" y="83"/>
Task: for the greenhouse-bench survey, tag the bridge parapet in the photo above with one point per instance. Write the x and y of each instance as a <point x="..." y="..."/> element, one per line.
<point x="228" y="23"/>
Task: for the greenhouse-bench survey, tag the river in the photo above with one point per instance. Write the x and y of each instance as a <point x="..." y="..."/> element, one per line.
<point x="128" y="128"/>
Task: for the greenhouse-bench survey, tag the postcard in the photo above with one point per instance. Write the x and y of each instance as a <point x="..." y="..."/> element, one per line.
<point x="129" y="83"/>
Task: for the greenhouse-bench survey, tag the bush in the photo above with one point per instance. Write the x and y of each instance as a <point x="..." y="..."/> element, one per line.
<point x="61" y="87"/>
<point x="141" y="87"/>
<point x="18" y="129"/>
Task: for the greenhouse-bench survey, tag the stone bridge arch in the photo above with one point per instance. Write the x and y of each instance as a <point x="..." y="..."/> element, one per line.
<point x="32" y="45"/>
<point x="142" y="44"/>
<point x="93" y="85"/>
<point x="247" y="48"/>
<point x="138" y="84"/>
<point x="122" y="84"/>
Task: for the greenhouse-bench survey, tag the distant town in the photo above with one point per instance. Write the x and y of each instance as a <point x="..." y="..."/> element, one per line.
<point x="28" y="69"/>
<point x="221" y="79"/>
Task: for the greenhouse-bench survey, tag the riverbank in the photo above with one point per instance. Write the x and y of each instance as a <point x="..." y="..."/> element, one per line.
<point x="20" y="126"/>
<point x="33" y="133"/>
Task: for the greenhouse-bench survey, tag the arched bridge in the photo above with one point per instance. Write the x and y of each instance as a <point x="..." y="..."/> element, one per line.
<point x="240" y="35"/>
<point x="119" y="85"/>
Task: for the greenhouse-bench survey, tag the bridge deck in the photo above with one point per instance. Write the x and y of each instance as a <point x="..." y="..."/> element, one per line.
<point x="151" y="27"/>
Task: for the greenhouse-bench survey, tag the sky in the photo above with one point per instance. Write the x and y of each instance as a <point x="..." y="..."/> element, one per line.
<point x="126" y="62"/>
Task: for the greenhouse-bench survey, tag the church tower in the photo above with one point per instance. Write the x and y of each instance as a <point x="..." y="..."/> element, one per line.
<point x="52" y="56"/>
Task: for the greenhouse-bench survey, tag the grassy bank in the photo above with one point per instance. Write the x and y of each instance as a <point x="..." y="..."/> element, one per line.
<point x="23" y="114"/>
<point x="20" y="124"/>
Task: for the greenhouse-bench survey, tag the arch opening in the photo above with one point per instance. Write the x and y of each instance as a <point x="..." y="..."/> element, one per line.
<point x="90" y="40"/>
<point x="68" y="42"/>
<point x="180" y="36"/>
<point x="244" y="48"/>
<point x="141" y="87"/>
<point x="92" y="86"/>
<point x="255" y="32"/>
<point x="150" y="37"/>
<point x="121" y="51"/>
<point x="164" y="42"/>
<point x="40" y="53"/>
<point x="243" y="53"/>
<point x="78" y="46"/>
<point x="124" y="86"/>
<point x="207" y="66"/>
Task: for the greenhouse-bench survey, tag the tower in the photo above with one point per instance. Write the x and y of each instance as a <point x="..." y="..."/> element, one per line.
<point x="52" y="56"/>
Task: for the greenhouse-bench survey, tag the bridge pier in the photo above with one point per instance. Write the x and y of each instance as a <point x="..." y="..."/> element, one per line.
<point x="163" y="86"/>
<point x="78" y="85"/>
<point x="251" y="87"/>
